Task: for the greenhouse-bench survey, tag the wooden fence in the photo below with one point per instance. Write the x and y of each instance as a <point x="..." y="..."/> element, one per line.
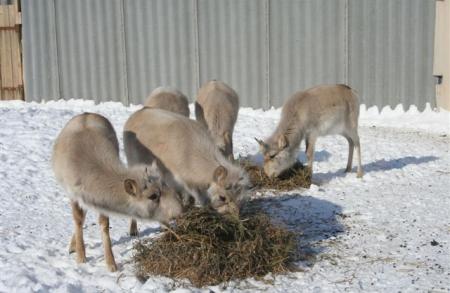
<point x="11" y="78"/>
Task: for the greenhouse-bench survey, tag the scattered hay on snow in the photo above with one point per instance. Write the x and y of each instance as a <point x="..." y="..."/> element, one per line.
<point x="209" y="248"/>
<point x="296" y="177"/>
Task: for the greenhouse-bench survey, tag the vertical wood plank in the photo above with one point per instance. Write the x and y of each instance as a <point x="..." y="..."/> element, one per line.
<point x="9" y="48"/>
<point x="11" y="79"/>
<point x="6" y="67"/>
<point x="2" y="57"/>
<point x="1" y="42"/>
<point x="11" y="90"/>
<point x="15" y="54"/>
<point x="18" y="40"/>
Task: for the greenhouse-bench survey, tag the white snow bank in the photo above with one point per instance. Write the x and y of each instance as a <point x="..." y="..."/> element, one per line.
<point x="430" y="120"/>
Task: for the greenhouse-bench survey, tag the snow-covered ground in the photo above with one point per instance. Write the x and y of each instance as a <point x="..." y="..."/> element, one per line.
<point x="387" y="232"/>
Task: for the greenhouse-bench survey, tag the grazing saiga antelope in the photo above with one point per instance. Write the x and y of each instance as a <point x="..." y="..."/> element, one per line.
<point x="187" y="155"/>
<point x="319" y="111"/>
<point x="86" y="163"/>
<point x="166" y="98"/>
<point x="169" y="99"/>
<point x="217" y="108"/>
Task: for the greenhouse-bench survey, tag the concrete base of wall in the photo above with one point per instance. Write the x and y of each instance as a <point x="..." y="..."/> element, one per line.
<point x="442" y="53"/>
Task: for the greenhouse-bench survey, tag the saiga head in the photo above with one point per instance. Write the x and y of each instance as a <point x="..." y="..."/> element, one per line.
<point x="277" y="155"/>
<point x="152" y="197"/>
<point x="227" y="190"/>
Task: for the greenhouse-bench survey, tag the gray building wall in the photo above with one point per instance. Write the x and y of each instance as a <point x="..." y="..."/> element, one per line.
<point x="266" y="49"/>
<point x="160" y="46"/>
<point x="232" y="47"/>
<point x="307" y="45"/>
<point x="391" y="47"/>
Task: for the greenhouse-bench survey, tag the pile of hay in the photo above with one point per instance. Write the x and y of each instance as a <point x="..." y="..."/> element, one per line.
<point x="296" y="177"/>
<point x="209" y="248"/>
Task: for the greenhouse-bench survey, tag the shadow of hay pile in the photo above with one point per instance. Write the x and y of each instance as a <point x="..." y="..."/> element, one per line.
<point x="296" y="177"/>
<point x="208" y="248"/>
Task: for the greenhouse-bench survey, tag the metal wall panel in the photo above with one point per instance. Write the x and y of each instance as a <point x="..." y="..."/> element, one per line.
<point x="266" y="49"/>
<point x="307" y="45"/>
<point x="91" y="55"/>
<point x="160" y="46"/>
<point x="391" y="51"/>
<point x="232" y="47"/>
<point x="41" y="76"/>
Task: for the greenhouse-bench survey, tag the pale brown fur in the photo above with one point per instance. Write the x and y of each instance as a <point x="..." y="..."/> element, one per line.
<point x="169" y="99"/>
<point x="319" y="111"/>
<point x="86" y="163"/>
<point x="186" y="154"/>
<point x="217" y="108"/>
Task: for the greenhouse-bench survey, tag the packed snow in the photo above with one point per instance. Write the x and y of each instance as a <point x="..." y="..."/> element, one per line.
<point x="387" y="232"/>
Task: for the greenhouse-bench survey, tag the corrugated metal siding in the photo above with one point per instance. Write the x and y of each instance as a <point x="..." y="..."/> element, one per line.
<point x="41" y="76"/>
<point x="232" y="47"/>
<point x="391" y="51"/>
<point x="74" y="49"/>
<point x="266" y="49"/>
<point x="307" y="45"/>
<point x="90" y="50"/>
<point x="160" y="46"/>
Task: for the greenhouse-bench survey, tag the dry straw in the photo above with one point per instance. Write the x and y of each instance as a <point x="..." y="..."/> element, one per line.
<point x="294" y="178"/>
<point x="209" y="248"/>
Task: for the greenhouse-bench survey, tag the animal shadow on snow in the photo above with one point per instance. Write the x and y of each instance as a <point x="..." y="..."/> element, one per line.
<point x="319" y="156"/>
<point x="376" y="166"/>
<point x="124" y="237"/>
<point x="144" y="233"/>
<point x="313" y="220"/>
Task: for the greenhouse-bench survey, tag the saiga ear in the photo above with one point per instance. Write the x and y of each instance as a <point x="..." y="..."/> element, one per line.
<point x="130" y="187"/>
<point x="154" y="168"/>
<point x="262" y="145"/>
<point x="282" y="142"/>
<point x="220" y="174"/>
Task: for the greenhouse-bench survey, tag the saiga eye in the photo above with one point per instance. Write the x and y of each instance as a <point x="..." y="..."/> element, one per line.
<point x="153" y="196"/>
